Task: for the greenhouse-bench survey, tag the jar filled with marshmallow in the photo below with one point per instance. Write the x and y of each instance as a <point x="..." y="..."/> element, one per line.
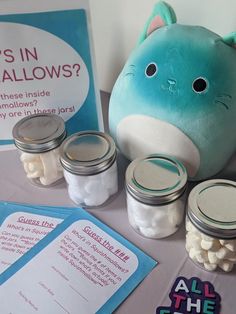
<point x="155" y="190"/>
<point x="38" y="138"/>
<point x="90" y="167"/>
<point x="211" y="225"/>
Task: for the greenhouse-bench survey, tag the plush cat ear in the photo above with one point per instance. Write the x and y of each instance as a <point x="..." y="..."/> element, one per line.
<point x="230" y="39"/>
<point x="162" y="15"/>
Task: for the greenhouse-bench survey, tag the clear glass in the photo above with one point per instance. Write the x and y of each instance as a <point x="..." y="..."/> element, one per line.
<point x="43" y="169"/>
<point x="208" y="252"/>
<point x="92" y="190"/>
<point x="155" y="221"/>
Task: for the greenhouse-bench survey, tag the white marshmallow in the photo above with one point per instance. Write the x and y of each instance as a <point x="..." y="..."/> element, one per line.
<point x="213" y="259"/>
<point x="227" y="266"/>
<point x="193" y="240"/>
<point x="193" y="254"/>
<point x="224" y="253"/>
<point x="210" y="266"/>
<point x="190" y="227"/>
<point x="207" y="245"/>
<point x="232" y="259"/>
<point x="202" y="256"/>
<point x="43" y="167"/>
<point x="206" y="237"/>
<point x="231" y="246"/>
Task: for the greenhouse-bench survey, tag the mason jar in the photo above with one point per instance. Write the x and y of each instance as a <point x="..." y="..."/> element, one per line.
<point x="211" y="225"/>
<point x="90" y="167"/>
<point x="155" y="192"/>
<point x="38" y="138"/>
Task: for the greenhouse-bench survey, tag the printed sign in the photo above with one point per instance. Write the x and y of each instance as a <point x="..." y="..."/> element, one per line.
<point x="47" y="67"/>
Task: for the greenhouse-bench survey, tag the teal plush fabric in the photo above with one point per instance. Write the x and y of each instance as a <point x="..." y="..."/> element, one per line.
<point x="184" y="76"/>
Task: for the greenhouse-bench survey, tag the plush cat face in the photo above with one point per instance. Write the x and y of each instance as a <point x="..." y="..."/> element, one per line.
<point x="176" y="96"/>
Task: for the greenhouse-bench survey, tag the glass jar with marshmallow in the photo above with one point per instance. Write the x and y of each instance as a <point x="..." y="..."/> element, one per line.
<point x="90" y="168"/>
<point x="38" y="138"/>
<point x="211" y="225"/>
<point x="156" y="195"/>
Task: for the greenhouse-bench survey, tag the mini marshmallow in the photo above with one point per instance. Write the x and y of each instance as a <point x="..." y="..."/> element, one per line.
<point x="190" y="227"/>
<point x="193" y="254"/>
<point x="231" y="246"/>
<point x="43" y="167"/>
<point x="207" y="245"/>
<point x="227" y="266"/>
<point x="232" y="259"/>
<point x="213" y="259"/>
<point x="208" y="251"/>
<point x="193" y="240"/>
<point x="210" y="266"/>
<point x="202" y="256"/>
<point x="224" y="253"/>
<point x="206" y="237"/>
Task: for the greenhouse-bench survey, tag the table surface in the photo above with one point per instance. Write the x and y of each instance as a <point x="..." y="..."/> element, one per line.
<point x="169" y="252"/>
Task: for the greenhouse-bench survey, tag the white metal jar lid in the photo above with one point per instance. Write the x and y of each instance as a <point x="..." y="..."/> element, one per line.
<point x="39" y="133"/>
<point x="88" y="152"/>
<point x="212" y="208"/>
<point x="156" y="179"/>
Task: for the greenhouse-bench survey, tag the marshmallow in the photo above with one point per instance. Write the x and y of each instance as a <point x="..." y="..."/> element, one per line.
<point x="207" y="245"/>
<point x="213" y="259"/>
<point x="42" y="167"/>
<point x="193" y="240"/>
<point x="208" y="251"/>
<point x="231" y="246"/>
<point x="224" y="253"/>
<point x="210" y="266"/>
<point x="226" y="265"/>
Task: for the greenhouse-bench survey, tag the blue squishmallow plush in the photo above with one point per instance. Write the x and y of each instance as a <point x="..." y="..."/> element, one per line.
<point x="176" y="95"/>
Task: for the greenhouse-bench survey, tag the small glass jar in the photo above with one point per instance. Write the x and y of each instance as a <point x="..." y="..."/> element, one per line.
<point x="211" y="225"/>
<point x="155" y="190"/>
<point x="38" y="138"/>
<point x="90" y="167"/>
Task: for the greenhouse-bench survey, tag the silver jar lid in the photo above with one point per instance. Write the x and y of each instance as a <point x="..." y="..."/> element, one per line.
<point x="212" y="208"/>
<point x="88" y="153"/>
<point x="39" y="133"/>
<point x="156" y="179"/>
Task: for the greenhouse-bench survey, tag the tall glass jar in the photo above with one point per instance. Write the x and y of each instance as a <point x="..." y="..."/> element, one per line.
<point x="211" y="225"/>
<point x="90" y="167"/>
<point x="155" y="190"/>
<point x="38" y="138"/>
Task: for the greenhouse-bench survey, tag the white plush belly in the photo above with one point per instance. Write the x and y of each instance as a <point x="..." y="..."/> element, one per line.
<point x="139" y="135"/>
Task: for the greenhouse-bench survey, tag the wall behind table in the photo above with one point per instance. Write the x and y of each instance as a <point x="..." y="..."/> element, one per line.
<point x="117" y="24"/>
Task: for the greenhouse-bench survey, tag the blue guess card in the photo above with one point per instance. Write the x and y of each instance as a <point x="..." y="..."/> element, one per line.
<point x="85" y="267"/>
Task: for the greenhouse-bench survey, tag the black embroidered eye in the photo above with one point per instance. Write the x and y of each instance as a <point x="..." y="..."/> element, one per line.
<point x="200" y="85"/>
<point x="151" y="70"/>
